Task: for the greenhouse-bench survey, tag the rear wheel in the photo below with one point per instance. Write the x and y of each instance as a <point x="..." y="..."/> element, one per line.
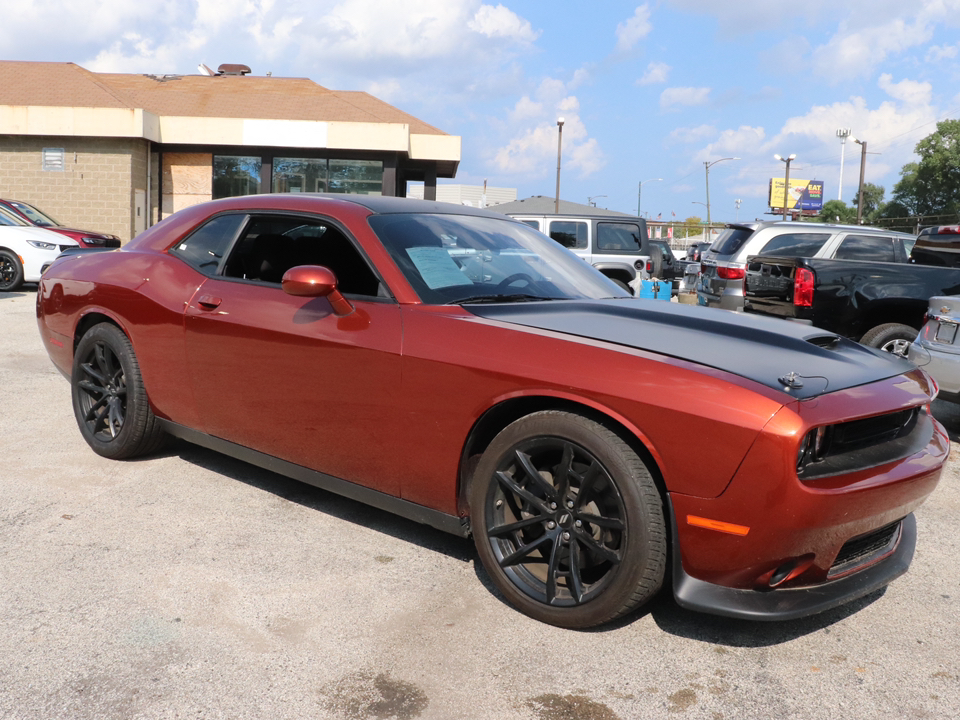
<point x="11" y="271"/>
<point x="109" y="400"/>
<point x="893" y="338"/>
<point x="568" y="521"/>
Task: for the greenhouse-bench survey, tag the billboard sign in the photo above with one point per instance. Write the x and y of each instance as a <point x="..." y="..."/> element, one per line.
<point x="801" y="195"/>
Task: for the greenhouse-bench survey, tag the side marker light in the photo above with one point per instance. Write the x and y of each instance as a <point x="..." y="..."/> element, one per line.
<point x="717" y="525"/>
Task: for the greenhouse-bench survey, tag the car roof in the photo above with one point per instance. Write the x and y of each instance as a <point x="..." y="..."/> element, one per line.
<point x="814" y="226"/>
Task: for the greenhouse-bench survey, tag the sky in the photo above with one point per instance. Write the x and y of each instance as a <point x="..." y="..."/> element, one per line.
<point x="649" y="92"/>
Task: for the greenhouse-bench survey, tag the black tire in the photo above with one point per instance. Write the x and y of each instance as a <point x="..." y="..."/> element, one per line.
<point x="656" y="263"/>
<point x="11" y="272"/>
<point x="893" y="338"/>
<point x="109" y="400"/>
<point x="623" y="285"/>
<point x="554" y="486"/>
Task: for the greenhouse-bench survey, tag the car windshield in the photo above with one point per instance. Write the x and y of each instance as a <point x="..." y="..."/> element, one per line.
<point x="453" y="259"/>
<point x="9" y="218"/>
<point x="36" y="216"/>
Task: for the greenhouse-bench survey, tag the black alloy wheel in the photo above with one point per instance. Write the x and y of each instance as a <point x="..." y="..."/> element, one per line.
<point x="109" y="401"/>
<point x="570" y="525"/>
<point x="11" y="272"/>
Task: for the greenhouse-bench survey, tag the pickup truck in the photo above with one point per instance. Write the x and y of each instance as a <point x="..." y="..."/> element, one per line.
<point x="880" y="304"/>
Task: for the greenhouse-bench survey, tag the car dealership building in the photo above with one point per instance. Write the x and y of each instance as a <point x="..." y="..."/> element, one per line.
<point x="117" y="153"/>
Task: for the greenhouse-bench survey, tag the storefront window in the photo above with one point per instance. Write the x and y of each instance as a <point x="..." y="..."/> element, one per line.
<point x="235" y="175"/>
<point x="299" y="175"/>
<point x="363" y="177"/>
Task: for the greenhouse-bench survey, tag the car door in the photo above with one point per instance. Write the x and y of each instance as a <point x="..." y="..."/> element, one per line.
<point x="285" y="375"/>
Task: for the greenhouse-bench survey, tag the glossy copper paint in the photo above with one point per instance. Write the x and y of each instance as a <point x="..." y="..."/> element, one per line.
<point x="388" y="395"/>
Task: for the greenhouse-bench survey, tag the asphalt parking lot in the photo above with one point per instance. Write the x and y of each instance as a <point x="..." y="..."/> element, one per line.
<point x="191" y="585"/>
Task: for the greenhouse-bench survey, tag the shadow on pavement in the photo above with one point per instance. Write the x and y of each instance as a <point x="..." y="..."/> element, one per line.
<point x="324" y="501"/>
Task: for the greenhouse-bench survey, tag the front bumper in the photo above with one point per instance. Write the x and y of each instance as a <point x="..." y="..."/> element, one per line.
<point x="795" y="602"/>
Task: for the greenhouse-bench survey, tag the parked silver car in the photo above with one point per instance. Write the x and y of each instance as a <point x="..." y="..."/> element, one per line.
<point x="724" y="263"/>
<point x="937" y="347"/>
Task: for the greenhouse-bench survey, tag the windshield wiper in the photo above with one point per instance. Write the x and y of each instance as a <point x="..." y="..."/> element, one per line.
<point x="513" y="297"/>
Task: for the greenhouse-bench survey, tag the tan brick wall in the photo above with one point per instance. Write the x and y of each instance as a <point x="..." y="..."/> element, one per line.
<point x="95" y="190"/>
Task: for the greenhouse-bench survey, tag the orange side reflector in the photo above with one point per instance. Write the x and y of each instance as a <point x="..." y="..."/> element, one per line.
<point x="717" y="525"/>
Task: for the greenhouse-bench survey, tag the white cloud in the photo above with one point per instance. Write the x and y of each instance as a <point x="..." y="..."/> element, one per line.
<point x="633" y="30"/>
<point x="532" y="149"/>
<point x="685" y="96"/>
<point x="942" y="52"/>
<point x="692" y="135"/>
<point x="854" y="53"/>
<point x="909" y="92"/>
<point x="656" y="73"/>
<point x="500" y="22"/>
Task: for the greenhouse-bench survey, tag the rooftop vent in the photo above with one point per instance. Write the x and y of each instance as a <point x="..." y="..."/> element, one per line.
<point x="228" y="69"/>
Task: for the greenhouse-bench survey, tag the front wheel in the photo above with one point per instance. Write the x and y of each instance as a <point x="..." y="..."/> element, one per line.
<point x="109" y="400"/>
<point x="568" y="521"/>
<point x="893" y="338"/>
<point x="11" y="272"/>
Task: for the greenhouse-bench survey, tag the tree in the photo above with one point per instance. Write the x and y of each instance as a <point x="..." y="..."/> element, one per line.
<point x="872" y="202"/>
<point x="837" y="211"/>
<point x="937" y="178"/>
<point x="693" y="225"/>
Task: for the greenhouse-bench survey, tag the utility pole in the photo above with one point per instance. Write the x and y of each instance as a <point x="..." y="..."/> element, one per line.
<point x="863" y="167"/>
<point x="559" y="146"/>
<point x="786" y="182"/>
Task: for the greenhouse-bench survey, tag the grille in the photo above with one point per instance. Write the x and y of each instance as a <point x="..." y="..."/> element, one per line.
<point x="861" y="550"/>
<point x="872" y="431"/>
<point x="64" y="247"/>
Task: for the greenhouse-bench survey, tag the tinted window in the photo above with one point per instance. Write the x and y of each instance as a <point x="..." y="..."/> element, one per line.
<point x="731" y="240"/>
<point x="569" y="233"/>
<point x="618" y="238"/>
<point x="866" y="247"/>
<point x="795" y="244"/>
<point x="204" y="248"/>
<point x="272" y="244"/>
<point x="535" y="224"/>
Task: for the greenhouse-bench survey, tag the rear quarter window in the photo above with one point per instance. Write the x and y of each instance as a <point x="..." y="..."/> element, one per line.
<point x="619" y="238"/>
<point x="731" y="240"/>
<point x="798" y="244"/>
<point x="872" y="248"/>
<point x="569" y="233"/>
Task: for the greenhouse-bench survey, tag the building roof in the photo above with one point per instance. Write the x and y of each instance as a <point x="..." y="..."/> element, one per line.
<point x="41" y="84"/>
<point x="542" y="205"/>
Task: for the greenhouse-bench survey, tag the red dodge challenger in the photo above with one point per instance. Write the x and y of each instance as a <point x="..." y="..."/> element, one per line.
<point x="460" y="369"/>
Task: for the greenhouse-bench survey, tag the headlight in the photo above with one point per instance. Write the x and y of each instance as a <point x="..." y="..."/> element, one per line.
<point x="94" y="240"/>
<point x="42" y="245"/>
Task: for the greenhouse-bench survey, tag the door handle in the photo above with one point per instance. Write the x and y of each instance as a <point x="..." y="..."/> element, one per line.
<point x="208" y="302"/>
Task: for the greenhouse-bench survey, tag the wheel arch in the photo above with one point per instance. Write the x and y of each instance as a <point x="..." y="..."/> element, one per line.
<point x="95" y="317"/>
<point x="506" y="411"/>
<point x="881" y="313"/>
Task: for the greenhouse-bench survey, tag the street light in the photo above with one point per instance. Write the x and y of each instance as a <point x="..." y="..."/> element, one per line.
<point x="707" y="166"/>
<point x="590" y="200"/>
<point x="640" y="190"/>
<point x="786" y="180"/>
<point x="559" y="145"/>
<point x="863" y="166"/>
<point x="843" y="134"/>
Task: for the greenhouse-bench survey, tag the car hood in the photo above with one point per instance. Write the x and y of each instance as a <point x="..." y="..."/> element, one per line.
<point x="13" y="233"/>
<point x="765" y="350"/>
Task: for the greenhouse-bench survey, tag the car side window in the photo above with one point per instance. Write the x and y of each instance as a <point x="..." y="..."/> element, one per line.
<point x="618" y="237"/>
<point x="271" y="245"/>
<point x="569" y="233"/>
<point x="204" y="248"/>
<point x="535" y="224"/>
<point x="867" y="247"/>
<point x="795" y="244"/>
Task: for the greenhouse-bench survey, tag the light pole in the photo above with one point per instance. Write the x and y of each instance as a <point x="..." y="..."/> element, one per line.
<point x="707" y="165"/>
<point x="590" y="200"/>
<point x="640" y="191"/>
<point x="786" y="181"/>
<point x="559" y="146"/>
<point x="843" y="134"/>
<point x="863" y="167"/>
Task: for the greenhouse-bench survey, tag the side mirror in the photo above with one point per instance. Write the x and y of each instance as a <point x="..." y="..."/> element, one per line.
<point x="316" y="281"/>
